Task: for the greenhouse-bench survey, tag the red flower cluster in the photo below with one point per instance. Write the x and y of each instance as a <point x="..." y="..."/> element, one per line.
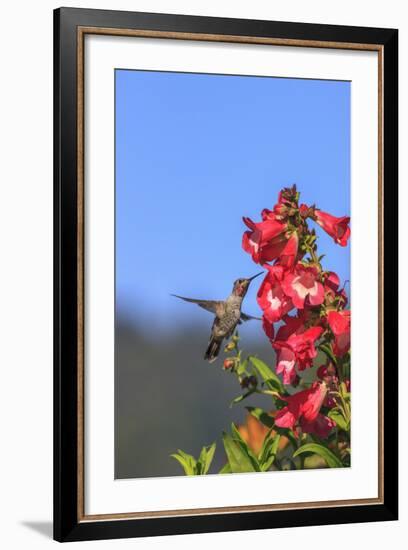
<point x="304" y="407"/>
<point x="285" y="246"/>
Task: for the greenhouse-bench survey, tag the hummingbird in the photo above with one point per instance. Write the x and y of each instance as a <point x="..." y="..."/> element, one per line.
<point x="228" y="315"/>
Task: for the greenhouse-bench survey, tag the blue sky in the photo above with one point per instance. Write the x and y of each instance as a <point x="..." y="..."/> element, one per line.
<point x="195" y="153"/>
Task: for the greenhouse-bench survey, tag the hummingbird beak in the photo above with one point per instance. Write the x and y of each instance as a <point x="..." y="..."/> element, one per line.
<point x="254" y="277"/>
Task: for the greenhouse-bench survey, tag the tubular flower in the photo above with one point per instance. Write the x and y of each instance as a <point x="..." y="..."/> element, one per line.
<point x="321" y="426"/>
<point x="292" y="325"/>
<point x="302" y="284"/>
<point x="285" y="362"/>
<point x="339" y="322"/>
<point x="265" y="239"/>
<point x="304" y="408"/>
<point x="288" y="254"/>
<point x="263" y="253"/>
<point x="331" y="282"/>
<point x="298" y="350"/>
<point x="267" y="229"/>
<point x="271" y="298"/>
<point x="337" y="228"/>
<point x="268" y="329"/>
<point x="281" y="211"/>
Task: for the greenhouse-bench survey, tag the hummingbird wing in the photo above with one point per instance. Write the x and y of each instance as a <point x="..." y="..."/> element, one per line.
<point x="246" y="317"/>
<point x="215" y="306"/>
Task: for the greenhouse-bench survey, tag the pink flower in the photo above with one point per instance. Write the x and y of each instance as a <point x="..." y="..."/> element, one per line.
<point x="271" y="298"/>
<point x="331" y="282"/>
<point x="297" y="350"/>
<point x="285" y="362"/>
<point x="339" y="322"/>
<point x="288" y="254"/>
<point x="337" y="228"/>
<point x="268" y="328"/>
<point x="281" y="211"/>
<point x="304" y="407"/>
<point x="266" y="230"/>
<point x="321" y="426"/>
<point x="292" y="324"/>
<point x="266" y="239"/>
<point x="302" y="284"/>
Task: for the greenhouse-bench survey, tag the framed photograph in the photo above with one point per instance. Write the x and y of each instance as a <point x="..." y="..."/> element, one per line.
<point x="225" y="196"/>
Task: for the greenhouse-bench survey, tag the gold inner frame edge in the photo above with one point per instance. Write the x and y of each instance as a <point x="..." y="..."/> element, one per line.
<point x="81" y="33"/>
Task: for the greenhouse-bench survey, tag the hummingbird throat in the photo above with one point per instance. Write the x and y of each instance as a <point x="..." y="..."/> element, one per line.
<point x="240" y="290"/>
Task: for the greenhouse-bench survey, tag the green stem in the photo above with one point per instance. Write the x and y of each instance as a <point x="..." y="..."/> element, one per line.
<point x="342" y="406"/>
<point x="268" y="392"/>
<point x="301" y="456"/>
<point x="339" y="367"/>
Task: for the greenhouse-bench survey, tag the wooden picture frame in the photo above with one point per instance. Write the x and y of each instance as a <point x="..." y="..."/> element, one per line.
<point x="70" y="28"/>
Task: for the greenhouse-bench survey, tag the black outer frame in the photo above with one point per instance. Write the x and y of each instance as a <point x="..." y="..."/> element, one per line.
<point x="66" y="524"/>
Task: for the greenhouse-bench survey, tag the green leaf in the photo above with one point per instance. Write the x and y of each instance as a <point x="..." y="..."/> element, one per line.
<point x="343" y="391"/>
<point x="241" y="397"/>
<point x="339" y="419"/>
<point x="273" y="451"/>
<point x="201" y="460"/>
<point x="241" y="368"/>
<point x="189" y="458"/>
<point x="267" y="443"/>
<point x="237" y="435"/>
<point x="247" y="450"/>
<point x="191" y="461"/>
<point x="226" y="469"/>
<point x="262" y="416"/>
<point x="192" y="466"/>
<point x="238" y="460"/>
<point x="185" y="455"/>
<point x="271" y="379"/>
<point x="289" y="434"/>
<point x="208" y="458"/>
<point x="326" y="348"/>
<point x="274" y="385"/>
<point x="331" y="459"/>
<point x="269" y="451"/>
<point x="188" y="467"/>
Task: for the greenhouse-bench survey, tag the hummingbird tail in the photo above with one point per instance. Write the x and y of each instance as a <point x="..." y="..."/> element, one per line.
<point x="213" y="350"/>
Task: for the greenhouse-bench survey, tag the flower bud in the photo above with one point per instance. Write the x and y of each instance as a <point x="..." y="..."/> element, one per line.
<point x="228" y="364"/>
<point x="244" y="382"/>
<point x="281" y="211"/>
<point x="230" y="346"/>
<point x="330" y="401"/>
<point x="304" y="210"/>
